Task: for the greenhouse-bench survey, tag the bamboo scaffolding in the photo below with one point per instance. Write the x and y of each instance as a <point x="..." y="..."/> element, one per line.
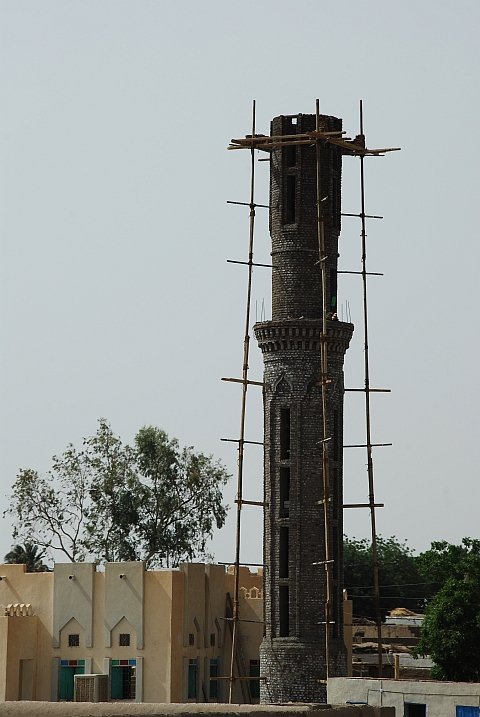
<point x="367" y="390"/>
<point x="267" y="143"/>
<point x="371" y="488"/>
<point x="324" y="372"/>
<point x="241" y="441"/>
<point x="350" y="147"/>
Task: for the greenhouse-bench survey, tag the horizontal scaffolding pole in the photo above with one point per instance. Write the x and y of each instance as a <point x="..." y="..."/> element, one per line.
<point x="244" y="381"/>
<point x="251" y="502"/>
<point x="371" y="390"/>
<point x="363" y="505"/>
<point x="351" y="505"/>
<point x="241" y="440"/>
<point x="362" y="216"/>
<point x="267" y="143"/>
<point x="362" y="273"/>
<point x="368" y="445"/>
<point x="269" y="266"/>
<point x="247" y="204"/>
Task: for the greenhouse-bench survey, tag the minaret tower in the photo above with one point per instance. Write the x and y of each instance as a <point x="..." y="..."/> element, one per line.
<point x="293" y="652"/>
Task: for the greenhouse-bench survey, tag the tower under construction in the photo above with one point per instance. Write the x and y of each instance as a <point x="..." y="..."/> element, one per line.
<point x="303" y="350"/>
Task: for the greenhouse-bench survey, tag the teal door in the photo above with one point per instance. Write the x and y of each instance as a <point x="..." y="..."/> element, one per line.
<point x="123" y="682"/>
<point x="192" y="679"/>
<point x="117" y="683"/>
<point x="213" y="683"/>
<point x="67" y="681"/>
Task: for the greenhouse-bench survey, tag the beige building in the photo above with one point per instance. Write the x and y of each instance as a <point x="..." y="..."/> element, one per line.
<point x="159" y="635"/>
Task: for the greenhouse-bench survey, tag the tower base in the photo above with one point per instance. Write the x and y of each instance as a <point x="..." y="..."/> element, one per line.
<point x="295" y="671"/>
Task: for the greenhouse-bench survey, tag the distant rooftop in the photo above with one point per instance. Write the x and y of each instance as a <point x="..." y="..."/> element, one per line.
<point x="403" y="616"/>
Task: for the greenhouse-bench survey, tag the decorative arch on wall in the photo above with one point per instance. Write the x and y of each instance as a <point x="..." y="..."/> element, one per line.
<point x="123" y="627"/>
<point x="124" y="598"/>
<point x="73" y="598"/>
<point x="72" y="627"/>
<point x="283" y="384"/>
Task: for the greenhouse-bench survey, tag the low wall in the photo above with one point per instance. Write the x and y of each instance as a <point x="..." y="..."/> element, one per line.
<point x="82" y="709"/>
<point x="440" y="698"/>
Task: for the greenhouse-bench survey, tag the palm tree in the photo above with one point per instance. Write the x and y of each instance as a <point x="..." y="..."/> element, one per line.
<point x="28" y="554"/>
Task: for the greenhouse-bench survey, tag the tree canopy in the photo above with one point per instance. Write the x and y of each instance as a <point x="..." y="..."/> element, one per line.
<point x="443" y="582"/>
<point x="451" y="628"/>
<point x="153" y="501"/>
<point x="400" y="578"/>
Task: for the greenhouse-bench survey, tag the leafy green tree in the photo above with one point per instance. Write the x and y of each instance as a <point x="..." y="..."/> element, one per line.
<point x="451" y="629"/>
<point x="29" y="555"/>
<point x="181" y="498"/>
<point x="111" y="502"/>
<point x="154" y="502"/>
<point x="445" y="560"/>
<point x="111" y="528"/>
<point x="401" y="583"/>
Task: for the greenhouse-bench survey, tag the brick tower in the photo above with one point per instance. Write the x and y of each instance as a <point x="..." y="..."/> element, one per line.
<point x="293" y="650"/>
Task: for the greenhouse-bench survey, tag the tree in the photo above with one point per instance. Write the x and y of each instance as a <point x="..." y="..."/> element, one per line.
<point x="444" y="560"/>
<point x="181" y="499"/>
<point x="451" y="629"/>
<point x="111" y="530"/>
<point x="401" y="582"/>
<point x="110" y="502"/>
<point x="29" y="555"/>
<point x="50" y="511"/>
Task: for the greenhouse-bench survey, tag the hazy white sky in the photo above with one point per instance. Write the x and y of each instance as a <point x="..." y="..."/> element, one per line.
<point x="116" y="298"/>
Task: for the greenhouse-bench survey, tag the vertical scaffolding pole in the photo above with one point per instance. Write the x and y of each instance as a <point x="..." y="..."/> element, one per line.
<point x="324" y="370"/>
<point x="241" y="441"/>
<point x="371" y="491"/>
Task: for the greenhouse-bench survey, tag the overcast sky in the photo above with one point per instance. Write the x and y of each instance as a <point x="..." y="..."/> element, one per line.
<point x="116" y="298"/>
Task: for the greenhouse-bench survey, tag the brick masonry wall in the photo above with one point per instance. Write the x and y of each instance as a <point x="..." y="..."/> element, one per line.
<point x="294" y="663"/>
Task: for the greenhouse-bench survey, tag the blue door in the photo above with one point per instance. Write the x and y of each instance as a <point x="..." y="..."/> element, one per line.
<point x="464" y="711"/>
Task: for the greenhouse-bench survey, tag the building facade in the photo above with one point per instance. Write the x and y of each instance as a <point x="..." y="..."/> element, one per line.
<point x="159" y="635"/>
<point x="293" y="649"/>
<point x="419" y="698"/>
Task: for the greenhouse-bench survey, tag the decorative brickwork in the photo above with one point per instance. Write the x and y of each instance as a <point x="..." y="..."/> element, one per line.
<point x="293" y="649"/>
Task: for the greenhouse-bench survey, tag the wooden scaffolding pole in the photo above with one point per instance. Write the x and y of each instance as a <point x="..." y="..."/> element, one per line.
<point x="241" y="441"/>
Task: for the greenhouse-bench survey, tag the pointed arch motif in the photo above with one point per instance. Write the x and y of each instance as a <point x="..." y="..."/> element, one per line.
<point x="282" y="384"/>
